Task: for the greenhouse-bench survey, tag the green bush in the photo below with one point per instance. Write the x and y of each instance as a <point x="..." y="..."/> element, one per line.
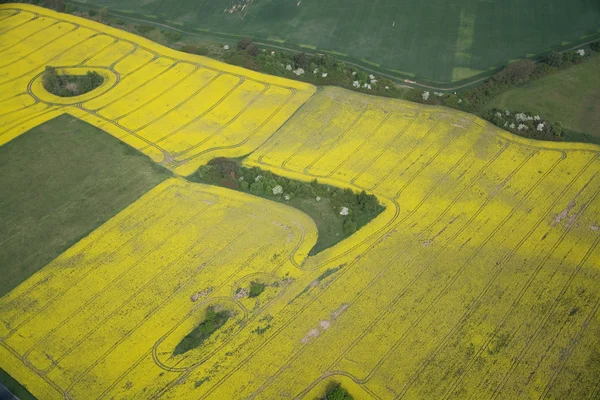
<point x="516" y="73"/>
<point x="554" y="59"/>
<point x="252" y="50"/>
<point x="144" y="29"/>
<point x="194" y="49"/>
<point x="213" y="320"/>
<point x="237" y="59"/>
<point x="595" y="46"/>
<point x="173" y="36"/>
<point x="335" y="391"/>
<point x="58" y="5"/>
<point x="244" y="43"/>
<point x="303" y="60"/>
<point x="256" y="288"/>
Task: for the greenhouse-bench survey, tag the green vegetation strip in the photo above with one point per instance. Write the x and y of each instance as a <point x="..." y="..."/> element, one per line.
<point x="256" y="288"/>
<point x="70" y="85"/>
<point x="60" y="181"/>
<point x="338" y="213"/>
<point x="212" y="322"/>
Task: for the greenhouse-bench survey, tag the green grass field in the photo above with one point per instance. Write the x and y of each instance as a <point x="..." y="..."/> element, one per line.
<point x="434" y="40"/>
<point x="571" y="97"/>
<point x="60" y="181"/>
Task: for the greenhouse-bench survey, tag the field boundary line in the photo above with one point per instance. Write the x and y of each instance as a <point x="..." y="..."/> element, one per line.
<point x="34" y="17"/>
<point x="359" y="147"/>
<point x="51" y="59"/>
<point x="203" y="114"/>
<point x="400" y="133"/>
<point x="128" y="91"/>
<point x="76" y="27"/>
<point x="414" y="148"/>
<point x="339" y="137"/>
<point x="266" y="88"/>
<point x="444" y="146"/>
<point x="129" y="112"/>
<point x="178" y="106"/>
<point x="9" y="47"/>
<point x="244" y="141"/>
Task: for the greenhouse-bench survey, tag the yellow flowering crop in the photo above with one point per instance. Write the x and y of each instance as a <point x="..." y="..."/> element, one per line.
<point x="480" y="279"/>
<point x="143" y="279"/>
<point x="175" y="107"/>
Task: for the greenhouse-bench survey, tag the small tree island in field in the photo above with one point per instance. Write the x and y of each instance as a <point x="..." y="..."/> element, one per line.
<point x="70" y="85"/>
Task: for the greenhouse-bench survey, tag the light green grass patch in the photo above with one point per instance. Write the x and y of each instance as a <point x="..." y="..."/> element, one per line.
<point x="464" y="39"/>
<point x="571" y="97"/>
<point x="460" y="73"/>
<point x="337" y="53"/>
<point x="370" y="62"/>
<point x="402" y="72"/>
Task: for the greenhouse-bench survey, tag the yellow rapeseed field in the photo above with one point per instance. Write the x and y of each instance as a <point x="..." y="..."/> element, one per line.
<point x="479" y="280"/>
<point x="175" y="107"/>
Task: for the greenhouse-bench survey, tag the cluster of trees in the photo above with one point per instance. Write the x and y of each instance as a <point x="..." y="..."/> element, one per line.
<point x="256" y="288"/>
<point x="525" y="124"/>
<point x="335" y="391"/>
<point x="361" y="207"/>
<point x="70" y="85"/>
<point x="213" y="320"/>
<point x="321" y="69"/>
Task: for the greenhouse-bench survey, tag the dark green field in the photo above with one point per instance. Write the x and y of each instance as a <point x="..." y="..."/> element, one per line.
<point x="434" y="40"/>
<point x="60" y="181"/>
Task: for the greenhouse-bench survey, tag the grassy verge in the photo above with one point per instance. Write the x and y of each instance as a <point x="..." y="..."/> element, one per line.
<point x="212" y="322"/>
<point x="60" y="181"/>
<point x="338" y="213"/>
<point x="571" y="96"/>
